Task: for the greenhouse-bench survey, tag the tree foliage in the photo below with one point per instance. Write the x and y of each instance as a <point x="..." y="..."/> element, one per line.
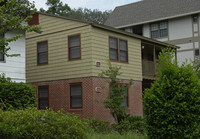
<point x="172" y="104"/>
<point x="16" y="95"/>
<point x="13" y="16"/>
<point x="58" y="8"/>
<point x="89" y="15"/>
<point x="116" y="93"/>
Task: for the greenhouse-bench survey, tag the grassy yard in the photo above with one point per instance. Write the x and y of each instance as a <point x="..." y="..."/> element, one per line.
<point x="117" y="136"/>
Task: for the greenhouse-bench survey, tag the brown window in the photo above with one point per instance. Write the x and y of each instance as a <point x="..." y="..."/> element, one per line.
<point x="195" y="18"/>
<point x="123" y="51"/>
<point x="1" y="55"/>
<point x="159" y="29"/>
<point x="197" y="52"/>
<point x="1" y="50"/>
<point x="34" y="20"/>
<point x="76" y="95"/>
<point x="125" y="101"/>
<point x="74" y="45"/>
<point x="43" y="97"/>
<point x="118" y="49"/>
<point x="42" y="52"/>
<point x="113" y="42"/>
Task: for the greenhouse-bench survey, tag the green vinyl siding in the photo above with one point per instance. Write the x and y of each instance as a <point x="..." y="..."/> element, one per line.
<point x="100" y="52"/>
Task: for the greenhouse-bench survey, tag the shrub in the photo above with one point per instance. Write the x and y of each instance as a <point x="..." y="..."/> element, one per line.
<point x="99" y="126"/>
<point x="172" y="104"/>
<point x="135" y="124"/>
<point x="16" y="95"/>
<point x="3" y="78"/>
<point x="116" y="93"/>
<point x="32" y="123"/>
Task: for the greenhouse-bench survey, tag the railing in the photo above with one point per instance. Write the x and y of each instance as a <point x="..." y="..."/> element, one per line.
<point x="149" y="68"/>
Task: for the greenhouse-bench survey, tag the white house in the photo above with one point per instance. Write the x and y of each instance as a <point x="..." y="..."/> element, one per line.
<point x="14" y="67"/>
<point x="171" y="21"/>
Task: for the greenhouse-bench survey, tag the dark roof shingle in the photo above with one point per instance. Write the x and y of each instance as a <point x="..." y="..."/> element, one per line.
<point x="150" y="10"/>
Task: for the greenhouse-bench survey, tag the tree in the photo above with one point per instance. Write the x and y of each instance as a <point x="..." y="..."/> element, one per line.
<point x="89" y="15"/>
<point x="116" y="94"/>
<point x="56" y="7"/>
<point x="172" y="104"/>
<point x="13" y="16"/>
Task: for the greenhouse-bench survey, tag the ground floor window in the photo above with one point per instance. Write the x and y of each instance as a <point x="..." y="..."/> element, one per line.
<point x="43" y="97"/>
<point x="76" y="95"/>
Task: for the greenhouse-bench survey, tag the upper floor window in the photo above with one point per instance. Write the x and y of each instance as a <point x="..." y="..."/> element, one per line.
<point x="42" y="52"/>
<point x="34" y="20"/>
<point x="118" y="49"/>
<point x="159" y="29"/>
<point x="43" y="97"/>
<point x="76" y="95"/>
<point x="197" y="52"/>
<point x="1" y="51"/>
<point x="74" y="47"/>
<point x="195" y="18"/>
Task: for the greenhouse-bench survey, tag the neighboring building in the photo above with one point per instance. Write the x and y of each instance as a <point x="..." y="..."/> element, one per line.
<point x="14" y="67"/>
<point x="65" y="59"/>
<point x="170" y="21"/>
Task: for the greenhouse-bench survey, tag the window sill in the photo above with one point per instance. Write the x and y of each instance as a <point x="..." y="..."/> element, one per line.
<point x="161" y="37"/>
<point x="74" y="59"/>
<point x="126" y="62"/>
<point x="75" y="110"/>
<point x="42" y="64"/>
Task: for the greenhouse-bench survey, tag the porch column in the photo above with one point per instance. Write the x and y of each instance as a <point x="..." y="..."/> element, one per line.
<point x="154" y="58"/>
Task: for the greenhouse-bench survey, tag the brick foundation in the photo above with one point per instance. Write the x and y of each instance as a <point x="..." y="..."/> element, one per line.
<point x="59" y="97"/>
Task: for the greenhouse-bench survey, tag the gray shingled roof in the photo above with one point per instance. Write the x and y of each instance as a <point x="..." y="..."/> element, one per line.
<point x="151" y="10"/>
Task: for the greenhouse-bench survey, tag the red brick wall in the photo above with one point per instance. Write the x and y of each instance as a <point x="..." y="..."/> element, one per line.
<point x="59" y="97"/>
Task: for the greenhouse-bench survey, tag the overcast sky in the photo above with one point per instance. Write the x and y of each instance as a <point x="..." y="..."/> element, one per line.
<point x="91" y="4"/>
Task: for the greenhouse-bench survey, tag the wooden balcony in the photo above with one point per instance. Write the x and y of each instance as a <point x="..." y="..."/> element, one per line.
<point x="149" y="69"/>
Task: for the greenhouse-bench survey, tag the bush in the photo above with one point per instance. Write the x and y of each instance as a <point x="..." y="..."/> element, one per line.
<point x="99" y="126"/>
<point x="135" y="124"/>
<point x="32" y="123"/>
<point x="172" y="104"/>
<point x="16" y="95"/>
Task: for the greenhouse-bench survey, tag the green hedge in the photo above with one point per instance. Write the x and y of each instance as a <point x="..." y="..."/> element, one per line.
<point x="32" y="123"/>
<point x="172" y="104"/>
<point x="16" y="95"/>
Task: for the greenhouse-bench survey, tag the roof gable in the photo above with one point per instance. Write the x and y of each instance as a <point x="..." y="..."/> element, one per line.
<point x="151" y="10"/>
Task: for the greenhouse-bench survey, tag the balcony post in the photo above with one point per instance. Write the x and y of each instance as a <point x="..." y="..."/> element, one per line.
<point x="154" y="58"/>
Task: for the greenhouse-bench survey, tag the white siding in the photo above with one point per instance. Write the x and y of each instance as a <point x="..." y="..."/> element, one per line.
<point x="163" y="39"/>
<point x="14" y="67"/>
<point x="185" y="55"/>
<point x="180" y="28"/>
<point x="185" y="46"/>
<point x="146" y="30"/>
<point x="129" y="29"/>
<point x="199" y="23"/>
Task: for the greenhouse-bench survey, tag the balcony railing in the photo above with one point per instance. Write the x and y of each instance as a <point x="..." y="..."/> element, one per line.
<point x="149" y="68"/>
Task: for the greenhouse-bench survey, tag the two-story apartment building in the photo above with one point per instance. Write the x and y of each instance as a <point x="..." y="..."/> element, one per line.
<point x="64" y="61"/>
<point x="14" y="67"/>
<point x="171" y="21"/>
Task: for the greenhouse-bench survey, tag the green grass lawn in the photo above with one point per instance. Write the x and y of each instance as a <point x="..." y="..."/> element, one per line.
<point x="117" y="136"/>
